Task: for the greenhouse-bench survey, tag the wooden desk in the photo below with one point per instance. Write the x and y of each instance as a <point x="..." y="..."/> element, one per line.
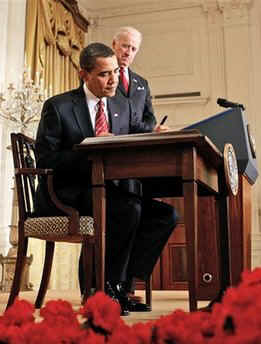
<point x="188" y="156"/>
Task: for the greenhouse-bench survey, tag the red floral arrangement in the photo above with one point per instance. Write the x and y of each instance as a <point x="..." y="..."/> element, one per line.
<point x="237" y="320"/>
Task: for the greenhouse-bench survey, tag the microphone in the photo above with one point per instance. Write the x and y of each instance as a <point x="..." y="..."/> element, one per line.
<point x="226" y="103"/>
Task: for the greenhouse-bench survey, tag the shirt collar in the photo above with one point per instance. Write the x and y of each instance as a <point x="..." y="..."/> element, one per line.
<point x="91" y="98"/>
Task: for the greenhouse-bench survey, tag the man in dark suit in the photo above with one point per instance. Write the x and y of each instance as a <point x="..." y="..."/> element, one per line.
<point x="126" y="43"/>
<point x="136" y="229"/>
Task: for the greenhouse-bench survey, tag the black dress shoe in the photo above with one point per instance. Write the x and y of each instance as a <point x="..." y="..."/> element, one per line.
<point x="127" y="303"/>
<point x="109" y="291"/>
<point x="115" y="292"/>
<point x="122" y="297"/>
<point x="135" y="306"/>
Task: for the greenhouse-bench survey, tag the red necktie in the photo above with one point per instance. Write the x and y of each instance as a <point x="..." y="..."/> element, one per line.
<point x="124" y="79"/>
<point x="101" y="124"/>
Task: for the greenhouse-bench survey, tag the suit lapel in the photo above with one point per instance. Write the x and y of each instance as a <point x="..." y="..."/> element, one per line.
<point x="121" y="88"/>
<point x="82" y="114"/>
<point x="132" y="84"/>
<point x="113" y="112"/>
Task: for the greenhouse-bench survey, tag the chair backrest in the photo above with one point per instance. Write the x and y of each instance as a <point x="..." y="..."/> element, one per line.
<point x="23" y="149"/>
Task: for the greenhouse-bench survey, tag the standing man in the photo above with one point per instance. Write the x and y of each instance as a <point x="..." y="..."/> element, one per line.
<point x="136" y="229"/>
<point x="126" y="43"/>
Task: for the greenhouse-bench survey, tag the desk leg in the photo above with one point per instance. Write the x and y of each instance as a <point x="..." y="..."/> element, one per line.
<point x="99" y="214"/>
<point x="190" y="192"/>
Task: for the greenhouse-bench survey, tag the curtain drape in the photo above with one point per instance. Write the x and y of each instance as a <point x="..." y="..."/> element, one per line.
<point x="52" y="47"/>
<point x="52" y="44"/>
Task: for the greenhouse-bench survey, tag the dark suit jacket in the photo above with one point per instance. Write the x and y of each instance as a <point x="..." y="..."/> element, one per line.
<point x="140" y="97"/>
<point x="65" y="121"/>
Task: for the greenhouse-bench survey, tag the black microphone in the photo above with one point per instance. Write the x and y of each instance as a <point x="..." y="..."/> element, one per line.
<point x="226" y="103"/>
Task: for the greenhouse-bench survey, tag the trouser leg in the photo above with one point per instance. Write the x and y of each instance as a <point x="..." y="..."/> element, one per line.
<point x="123" y="218"/>
<point x="158" y="220"/>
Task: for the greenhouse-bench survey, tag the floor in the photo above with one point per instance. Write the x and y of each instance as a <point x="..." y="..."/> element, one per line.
<point x="163" y="302"/>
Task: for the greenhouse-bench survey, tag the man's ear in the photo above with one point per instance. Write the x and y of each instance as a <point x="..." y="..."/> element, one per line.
<point x="83" y="74"/>
<point x="113" y="44"/>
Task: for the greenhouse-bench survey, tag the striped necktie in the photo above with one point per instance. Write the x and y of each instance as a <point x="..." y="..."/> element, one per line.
<point x="124" y="79"/>
<point x="101" y="125"/>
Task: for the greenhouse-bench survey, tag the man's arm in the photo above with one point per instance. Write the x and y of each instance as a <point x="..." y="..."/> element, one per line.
<point x="51" y="149"/>
<point x="149" y="119"/>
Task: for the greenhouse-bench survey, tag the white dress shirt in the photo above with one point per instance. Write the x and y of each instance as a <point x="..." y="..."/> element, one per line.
<point x="92" y="103"/>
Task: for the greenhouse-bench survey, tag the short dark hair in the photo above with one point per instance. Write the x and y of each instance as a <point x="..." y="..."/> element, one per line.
<point x="90" y="53"/>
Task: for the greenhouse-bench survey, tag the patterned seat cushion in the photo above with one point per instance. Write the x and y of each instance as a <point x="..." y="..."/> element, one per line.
<point x="56" y="225"/>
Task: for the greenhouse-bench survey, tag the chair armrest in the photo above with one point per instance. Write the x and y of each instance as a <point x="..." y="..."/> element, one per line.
<point x="72" y="213"/>
<point x="33" y="171"/>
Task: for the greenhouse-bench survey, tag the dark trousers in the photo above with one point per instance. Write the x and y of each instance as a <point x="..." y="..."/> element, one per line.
<point x="136" y="231"/>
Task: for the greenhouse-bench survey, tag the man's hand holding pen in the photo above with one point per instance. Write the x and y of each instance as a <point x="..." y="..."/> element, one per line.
<point x="161" y="127"/>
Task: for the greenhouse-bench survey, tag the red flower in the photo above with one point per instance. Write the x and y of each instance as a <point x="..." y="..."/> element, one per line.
<point x="59" y="312"/>
<point x="11" y="335"/>
<point x="40" y="333"/>
<point x="70" y="334"/>
<point x="143" y="332"/>
<point x="123" y="334"/>
<point x="140" y="333"/>
<point x="92" y="337"/>
<point x="181" y="328"/>
<point x="251" y="278"/>
<point x="102" y="312"/>
<point x="21" y="312"/>
<point x="238" y="314"/>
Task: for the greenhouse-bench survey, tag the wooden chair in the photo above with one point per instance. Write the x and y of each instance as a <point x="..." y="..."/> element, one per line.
<point x="70" y="228"/>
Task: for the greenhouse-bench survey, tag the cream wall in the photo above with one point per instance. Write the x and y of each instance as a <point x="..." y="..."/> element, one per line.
<point x="212" y="47"/>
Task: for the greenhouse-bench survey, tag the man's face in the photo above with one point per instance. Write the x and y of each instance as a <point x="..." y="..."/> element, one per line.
<point x="126" y="48"/>
<point x="103" y="80"/>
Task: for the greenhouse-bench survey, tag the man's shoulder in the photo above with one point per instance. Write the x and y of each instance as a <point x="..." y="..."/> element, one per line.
<point x="65" y="96"/>
<point x="137" y="76"/>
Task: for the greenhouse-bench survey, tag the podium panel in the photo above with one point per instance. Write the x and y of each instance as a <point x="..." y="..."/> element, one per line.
<point x="231" y="127"/>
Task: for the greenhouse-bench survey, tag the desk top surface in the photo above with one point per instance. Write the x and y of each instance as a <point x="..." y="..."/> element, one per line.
<point x="175" y="138"/>
<point x="193" y="137"/>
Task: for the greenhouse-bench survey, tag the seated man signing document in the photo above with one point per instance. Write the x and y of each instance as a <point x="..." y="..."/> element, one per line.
<point x="136" y="229"/>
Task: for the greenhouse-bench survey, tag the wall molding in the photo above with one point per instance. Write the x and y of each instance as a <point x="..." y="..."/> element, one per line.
<point x="223" y="6"/>
<point x="142" y="8"/>
<point x="180" y="100"/>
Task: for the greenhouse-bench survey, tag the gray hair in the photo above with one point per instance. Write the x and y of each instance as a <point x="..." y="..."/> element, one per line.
<point x="125" y="30"/>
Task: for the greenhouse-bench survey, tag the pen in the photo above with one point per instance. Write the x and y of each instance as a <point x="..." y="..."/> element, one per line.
<point x="163" y="120"/>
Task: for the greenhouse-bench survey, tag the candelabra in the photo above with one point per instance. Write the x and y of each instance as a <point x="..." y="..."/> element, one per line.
<point x="22" y="106"/>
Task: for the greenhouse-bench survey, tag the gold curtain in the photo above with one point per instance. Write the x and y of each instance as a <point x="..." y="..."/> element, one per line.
<point x="52" y="47"/>
<point x="52" y="44"/>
